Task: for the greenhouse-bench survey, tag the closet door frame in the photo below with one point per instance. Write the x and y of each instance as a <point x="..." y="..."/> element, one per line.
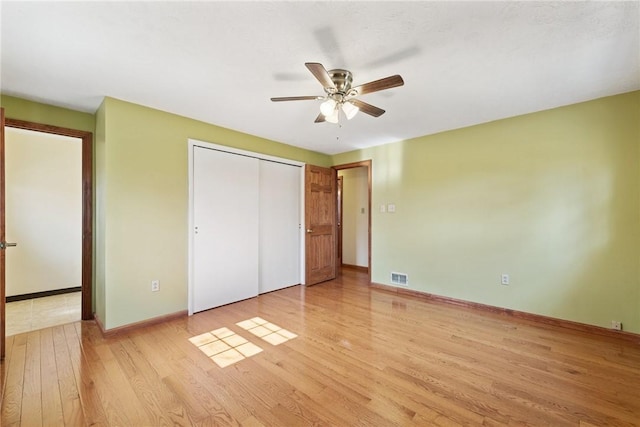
<point x="191" y="144"/>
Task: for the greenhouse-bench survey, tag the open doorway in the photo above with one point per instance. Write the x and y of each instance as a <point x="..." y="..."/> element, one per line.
<point x="85" y="181"/>
<point x="44" y="215"/>
<point x="354" y="216"/>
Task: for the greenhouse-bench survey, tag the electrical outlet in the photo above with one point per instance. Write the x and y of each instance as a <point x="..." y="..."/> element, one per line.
<point x="616" y="325"/>
<point x="155" y="285"/>
<point x="504" y="279"/>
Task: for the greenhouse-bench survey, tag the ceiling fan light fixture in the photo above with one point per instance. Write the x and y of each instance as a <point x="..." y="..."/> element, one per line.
<point x="334" y="117"/>
<point x="350" y="110"/>
<point x="328" y="107"/>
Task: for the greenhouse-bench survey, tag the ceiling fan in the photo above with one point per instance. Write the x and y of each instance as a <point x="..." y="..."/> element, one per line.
<point x="340" y="96"/>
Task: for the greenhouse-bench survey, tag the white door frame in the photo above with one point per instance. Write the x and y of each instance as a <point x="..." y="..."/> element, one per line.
<point x="191" y="144"/>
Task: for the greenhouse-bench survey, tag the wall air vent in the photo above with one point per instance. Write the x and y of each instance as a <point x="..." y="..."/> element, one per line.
<point x="400" y="279"/>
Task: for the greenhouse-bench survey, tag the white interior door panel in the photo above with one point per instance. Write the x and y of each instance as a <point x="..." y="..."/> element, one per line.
<point x="279" y="253"/>
<point x="226" y="233"/>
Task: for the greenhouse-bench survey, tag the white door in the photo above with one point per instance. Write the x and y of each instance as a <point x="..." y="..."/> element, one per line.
<point x="279" y="226"/>
<point x="225" y="219"/>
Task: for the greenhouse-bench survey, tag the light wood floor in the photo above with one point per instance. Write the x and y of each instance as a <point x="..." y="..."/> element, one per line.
<point x="361" y="357"/>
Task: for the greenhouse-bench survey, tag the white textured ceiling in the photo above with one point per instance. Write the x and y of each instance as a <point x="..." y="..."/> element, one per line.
<point x="463" y="63"/>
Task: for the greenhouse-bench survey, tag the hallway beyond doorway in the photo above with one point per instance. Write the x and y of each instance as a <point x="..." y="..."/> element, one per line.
<point x="38" y="313"/>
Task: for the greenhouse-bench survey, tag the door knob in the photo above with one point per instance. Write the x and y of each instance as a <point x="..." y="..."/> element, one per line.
<point x="309" y="230"/>
<point x="4" y="245"/>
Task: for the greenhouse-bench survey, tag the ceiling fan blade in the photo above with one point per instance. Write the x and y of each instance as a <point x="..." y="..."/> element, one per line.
<point x="320" y="73"/>
<point x="377" y="85"/>
<point x="367" y="108"/>
<point x="320" y="118"/>
<point x="295" y="98"/>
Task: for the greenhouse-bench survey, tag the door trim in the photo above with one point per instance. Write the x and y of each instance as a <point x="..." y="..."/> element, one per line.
<point x="87" y="204"/>
<point x="367" y="164"/>
<point x="339" y="224"/>
<point x="2" y="251"/>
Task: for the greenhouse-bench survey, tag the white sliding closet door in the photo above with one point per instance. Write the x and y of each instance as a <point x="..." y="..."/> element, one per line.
<point x="279" y="226"/>
<point x="225" y="219"/>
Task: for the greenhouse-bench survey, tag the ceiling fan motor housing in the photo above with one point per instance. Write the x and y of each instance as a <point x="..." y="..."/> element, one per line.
<point x="342" y="79"/>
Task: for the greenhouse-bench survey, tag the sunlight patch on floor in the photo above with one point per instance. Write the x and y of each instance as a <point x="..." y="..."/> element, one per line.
<point x="224" y="346"/>
<point x="271" y="333"/>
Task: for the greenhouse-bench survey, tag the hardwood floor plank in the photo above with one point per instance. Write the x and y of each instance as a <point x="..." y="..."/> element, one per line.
<point x="181" y="382"/>
<point x="157" y="361"/>
<point x="70" y="398"/>
<point x="50" y="389"/>
<point x="350" y="411"/>
<point x="129" y="406"/>
<point x="117" y="409"/>
<point x="32" y="387"/>
<point x="4" y="366"/>
<point x="326" y="417"/>
<point x="92" y="409"/>
<point x="15" y="363"/>
<point x="279" y="367"/>
<point x="207" y="396"/>
<point x="227" y="407"/>
<point x="252" y="422"/>
<point x="183" y="392"/>
<point x="242" y="394"/>
<point x="283" y="406"/>
<point x="162" y="406"/>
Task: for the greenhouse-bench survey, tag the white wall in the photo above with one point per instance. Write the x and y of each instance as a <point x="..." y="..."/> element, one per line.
<point x="43" y="211"/>
<point x="355" y="193"/>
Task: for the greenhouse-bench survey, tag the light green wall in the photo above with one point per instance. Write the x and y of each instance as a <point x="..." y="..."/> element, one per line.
<point x="99" y="232"/>
<point x="551" y="198"/>
<point x="143" y="201"/>
<point x="21" y="109"/>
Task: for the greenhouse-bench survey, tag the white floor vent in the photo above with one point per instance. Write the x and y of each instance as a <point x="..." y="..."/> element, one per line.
<point x="400" y="279"/>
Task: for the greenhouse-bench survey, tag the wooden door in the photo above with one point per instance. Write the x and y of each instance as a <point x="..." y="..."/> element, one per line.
<point x="320" y="223"/>
<point x="2" y="237"/>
